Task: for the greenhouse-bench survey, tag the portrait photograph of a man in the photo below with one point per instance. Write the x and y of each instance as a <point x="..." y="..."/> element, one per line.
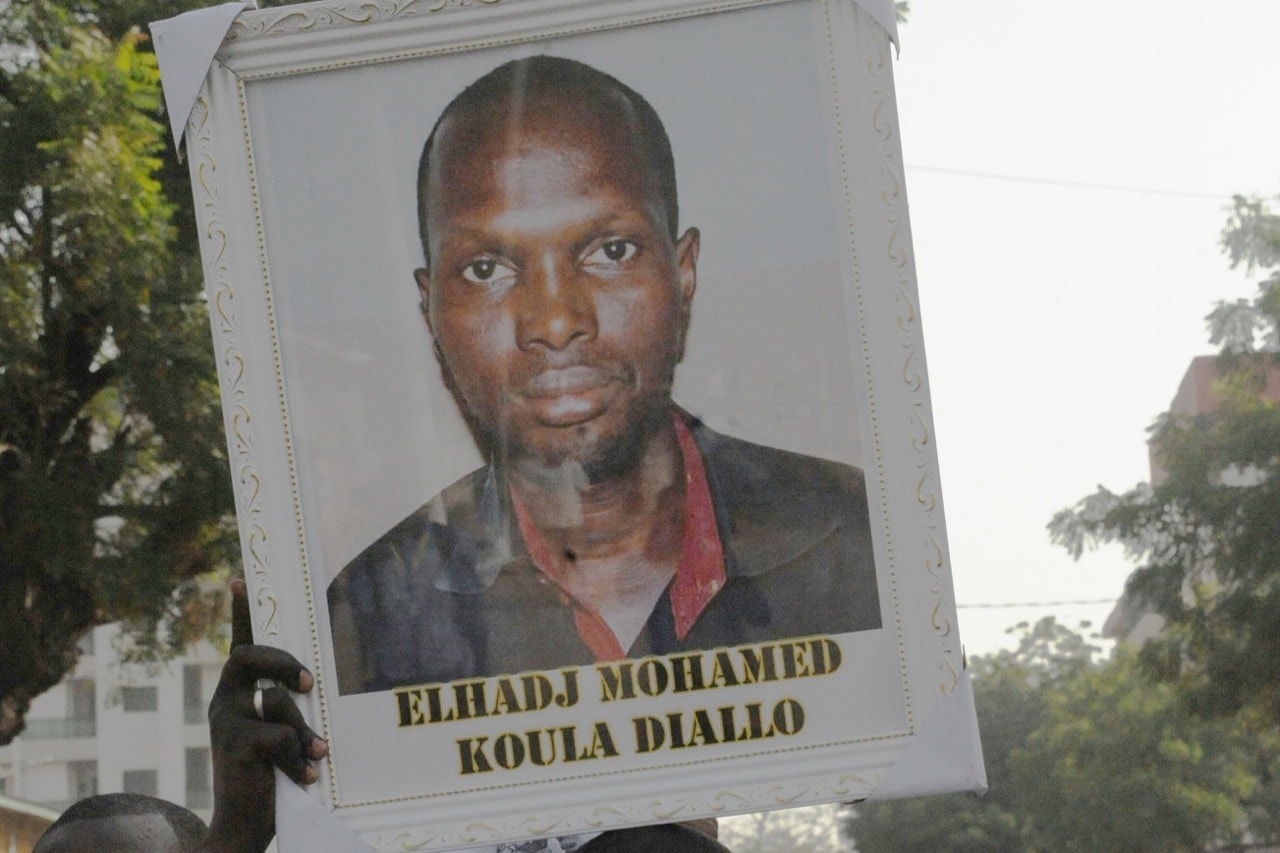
<point x="607" y="522"/>
<point x="577" y="409"/>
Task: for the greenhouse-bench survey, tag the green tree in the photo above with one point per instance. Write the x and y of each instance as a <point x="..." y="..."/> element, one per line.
<point x="1206" y="539"/>
<point x="114" y="492"/>
<point x="1081" y="755"/>
<point x="1009" y="691"/>
<point x="808" y="829"/>
<point x="1117" y="763"/>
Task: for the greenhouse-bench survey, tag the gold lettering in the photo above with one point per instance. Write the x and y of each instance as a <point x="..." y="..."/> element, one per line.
<point x="826" y="655"/>
<point x="507" y="701"/>
<point x="601" y="740"/>
<point x="469" y="700"/>
<point x="536" y="755"/>
<point x="788" y="716"/>
<point x="758" y="665"/>
<point x="508" y="751"/>
<point x="433" y="706"/>
<point x="409" y="703"/>
<point x="652" y="677"/>
<point x="702" y="730"/>
<point x="471" y="751"/>
<point x="722" y="671"/>
<point x="615" y="681"/>
<point x="537" y="691"/>
<point x="686" y="671"/>
<point x="793" y="665"/>
<point x="568" y="697"/>
<point x="650" y="734"/>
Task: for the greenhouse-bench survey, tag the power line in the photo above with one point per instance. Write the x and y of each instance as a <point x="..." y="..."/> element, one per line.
<point x="1079" y="185"/>
<point x="1005" y="604"/>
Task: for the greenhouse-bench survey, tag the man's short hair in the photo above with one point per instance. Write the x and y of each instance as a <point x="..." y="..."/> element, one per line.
<point x="189" y="829"/>
<point x="667" y="837"/>
<point x="526" y="79"/>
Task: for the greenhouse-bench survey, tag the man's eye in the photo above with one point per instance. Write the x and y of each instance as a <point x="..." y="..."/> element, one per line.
<point x="613" y="252"/>
<point x="485" y="271"/>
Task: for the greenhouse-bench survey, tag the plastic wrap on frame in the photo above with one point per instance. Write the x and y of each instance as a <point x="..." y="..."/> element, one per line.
<point x="185" y="47"/>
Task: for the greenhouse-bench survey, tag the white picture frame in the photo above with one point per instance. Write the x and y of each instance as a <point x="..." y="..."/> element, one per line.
<point x="806" y="336"/>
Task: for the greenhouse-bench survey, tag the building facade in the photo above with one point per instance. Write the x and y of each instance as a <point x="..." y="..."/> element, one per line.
<point x="113" y="727"/>
<point x="1199" y="395"/>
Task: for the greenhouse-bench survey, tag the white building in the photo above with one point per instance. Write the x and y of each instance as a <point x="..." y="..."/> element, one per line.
<point x="112" y="727"/>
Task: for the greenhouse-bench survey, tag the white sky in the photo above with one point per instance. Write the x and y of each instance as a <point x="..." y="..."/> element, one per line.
<point x="1059" y="320"/>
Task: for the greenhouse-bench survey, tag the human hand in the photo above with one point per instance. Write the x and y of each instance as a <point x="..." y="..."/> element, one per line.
<point x="245" y="747"/>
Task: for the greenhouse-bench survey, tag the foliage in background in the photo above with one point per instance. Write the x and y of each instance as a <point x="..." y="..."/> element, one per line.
<point x="1083" y="755"/>
<point x="808" y="829"/>
<point x="114" y="492"/>
<point x="1207" y="538"/>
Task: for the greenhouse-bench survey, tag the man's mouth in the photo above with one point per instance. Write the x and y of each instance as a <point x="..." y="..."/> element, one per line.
<point x="564" y="396"/>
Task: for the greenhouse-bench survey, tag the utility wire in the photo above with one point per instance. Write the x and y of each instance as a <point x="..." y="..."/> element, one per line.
<point x="1080" y="185"/>
<point x="995" y="605"/>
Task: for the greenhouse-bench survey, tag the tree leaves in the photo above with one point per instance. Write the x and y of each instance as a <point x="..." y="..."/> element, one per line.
<point x="1206" y="537"/>
<point x="116" y="491"/>
<point x="1084" y="754"/>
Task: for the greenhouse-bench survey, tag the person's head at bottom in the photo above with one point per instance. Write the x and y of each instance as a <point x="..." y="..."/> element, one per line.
<point x="123" y="823"/>
<point x="667" y="837"/>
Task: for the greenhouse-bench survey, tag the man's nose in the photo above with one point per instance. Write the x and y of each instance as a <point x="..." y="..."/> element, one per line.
<point x="555" y="308"/>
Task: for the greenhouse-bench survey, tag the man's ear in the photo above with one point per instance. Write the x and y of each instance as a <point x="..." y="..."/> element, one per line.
<point x="423" y="278"/>
<point x="687" y="248"/>
<point x="687" y="270"/>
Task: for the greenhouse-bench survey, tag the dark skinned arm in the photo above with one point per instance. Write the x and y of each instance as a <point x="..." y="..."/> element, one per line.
<point x="245" y="749"/>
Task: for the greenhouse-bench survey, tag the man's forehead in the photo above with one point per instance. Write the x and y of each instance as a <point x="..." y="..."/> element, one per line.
<point x="477" y="159"/>
<point x="550" y="120"/>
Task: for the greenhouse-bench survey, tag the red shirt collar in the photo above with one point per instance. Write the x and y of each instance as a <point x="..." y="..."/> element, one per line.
<point x="699" y="576"/>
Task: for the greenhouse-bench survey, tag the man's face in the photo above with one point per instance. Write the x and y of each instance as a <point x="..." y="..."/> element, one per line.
<point x="555" y="294"/>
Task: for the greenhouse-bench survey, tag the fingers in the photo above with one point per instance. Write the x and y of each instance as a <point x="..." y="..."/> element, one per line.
<point x="247" y="664"/>
<point x="280" y="735"/>
<point x="241" y="620"/>
<point x="277" y="743"/>
<point x="278" y="707"/>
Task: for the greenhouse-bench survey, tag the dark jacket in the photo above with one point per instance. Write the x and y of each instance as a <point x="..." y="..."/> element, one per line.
<point x="450" y="592"/>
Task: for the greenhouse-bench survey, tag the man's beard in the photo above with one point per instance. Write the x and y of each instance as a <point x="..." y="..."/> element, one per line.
<point x="599" y="458"/>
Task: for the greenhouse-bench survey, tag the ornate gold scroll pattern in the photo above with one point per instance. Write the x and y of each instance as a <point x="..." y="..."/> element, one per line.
<point x="231" y="366"/>
<point x="897" y="248"/>
<point x="886" y="561"/>
<point x="919" y="429"/>
<point x="299" y="20"/>
<point x="268" y="303"/>
<point x="844" y="788"/>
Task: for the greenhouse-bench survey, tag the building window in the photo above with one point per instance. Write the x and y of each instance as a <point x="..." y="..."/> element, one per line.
<point x="86" y="643"/>
<point x="199" y="783"/>
<point x="82" y="779"/>
<point x="141" y="782"/>
<point x="139" y="698"/>
<point x="81" y="713"/>
<point x="82" y="698"/>
<point x="193" y="693"/>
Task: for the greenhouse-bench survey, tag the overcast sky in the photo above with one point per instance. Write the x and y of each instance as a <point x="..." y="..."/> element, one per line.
<point x="1068" y="170"/>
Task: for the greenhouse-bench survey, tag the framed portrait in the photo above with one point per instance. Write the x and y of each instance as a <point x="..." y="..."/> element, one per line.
<point x="577" y="408"/>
